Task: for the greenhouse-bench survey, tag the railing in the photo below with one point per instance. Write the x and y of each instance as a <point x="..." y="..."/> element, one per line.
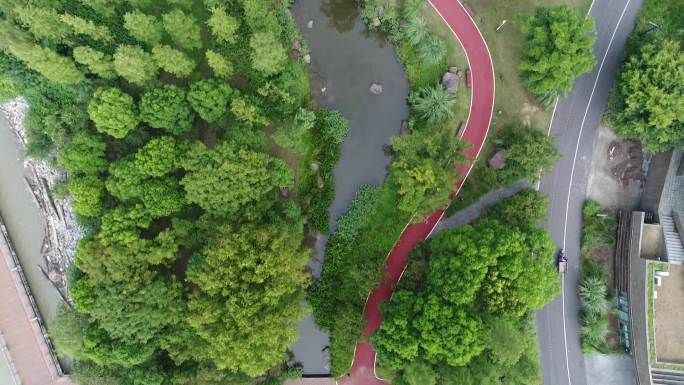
<point x="32" y="302"/>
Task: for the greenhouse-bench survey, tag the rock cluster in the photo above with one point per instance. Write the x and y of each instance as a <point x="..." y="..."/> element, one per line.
<point x="451" y="80"/>
<point x="375" y="88"/>
<point x="498" y="160"/>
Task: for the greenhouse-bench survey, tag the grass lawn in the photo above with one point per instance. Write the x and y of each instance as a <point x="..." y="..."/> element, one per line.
<point x="513" y="105"/>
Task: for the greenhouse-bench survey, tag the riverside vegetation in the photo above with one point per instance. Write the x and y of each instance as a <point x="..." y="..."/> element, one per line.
<point x="196" y="163"/>
<point x="420" y="178"/>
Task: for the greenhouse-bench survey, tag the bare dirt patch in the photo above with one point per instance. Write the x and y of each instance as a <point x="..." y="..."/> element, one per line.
<point x="669" y="322"/>
<point x="616" y="178"/>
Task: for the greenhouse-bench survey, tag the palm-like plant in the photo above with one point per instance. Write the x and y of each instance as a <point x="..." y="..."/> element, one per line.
<point x="592" y="292"/>
<point x="433" y="104"/>
<point x="415" y="30"/>
<point x="410" y="8"/>
<point x="431" y="49"/>
<point x="594" y="330"/>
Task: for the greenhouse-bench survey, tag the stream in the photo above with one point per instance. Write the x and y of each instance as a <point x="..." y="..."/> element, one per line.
<point x="345" y="59"/>
<point x="24" y="222"/>
<point x="25" y="227"/>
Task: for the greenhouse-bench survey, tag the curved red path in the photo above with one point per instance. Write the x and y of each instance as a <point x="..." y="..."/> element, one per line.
<point x="475" y="132"/>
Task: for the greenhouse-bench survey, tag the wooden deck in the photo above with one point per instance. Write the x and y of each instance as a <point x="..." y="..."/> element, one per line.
<point x="29" y="350"/>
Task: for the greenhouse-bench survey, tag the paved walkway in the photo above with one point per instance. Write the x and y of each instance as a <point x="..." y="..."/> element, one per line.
<point x="19" y="326"/>
<point x="475" y="133"/>
<point x="475" y="210"/>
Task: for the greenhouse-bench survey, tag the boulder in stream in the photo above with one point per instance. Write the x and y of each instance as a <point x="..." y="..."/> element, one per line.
<point x="307" y="58"/>
<point x="375" y="88"/>
<point x="309" y="24"/>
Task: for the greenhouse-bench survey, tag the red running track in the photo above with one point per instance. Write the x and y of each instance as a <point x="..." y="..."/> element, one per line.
<point x="475" y="132"/>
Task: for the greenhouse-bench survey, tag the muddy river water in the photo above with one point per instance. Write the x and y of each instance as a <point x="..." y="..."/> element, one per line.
<point x="345" y="60"/>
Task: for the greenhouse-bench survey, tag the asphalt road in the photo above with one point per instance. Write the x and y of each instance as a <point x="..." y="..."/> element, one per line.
<point x="574" y="125"/>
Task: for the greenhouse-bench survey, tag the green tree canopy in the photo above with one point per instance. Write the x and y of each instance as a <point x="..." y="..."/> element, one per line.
<point x="250" y="295"/>
<point x="165" y="107"/>
<point x="528" y="152"/>
<point x="650" y="96"/>
<point x="113" y="112"/>
<point x="173" y="61"/>
<point x="87" y="192"/>
<point x="81" y="26"/>
<point x="268" y="53"/>
<point x="524" y="277"/>
<point x="557" y="49"/>
<point x="97" y="62"/>
<point x="223" y="26"/>
<point x="145" y="28"/>
<point x="43" y="23"/>
<point x="134" y="64"/>
<point x="183" y="29"/>
<point x="425" y="169"/>
<point x="219" y="64"/>
<point x="85" y="153"/>
<point x="225" y="179"/>
<point x="429" y="328"/>
<point x="528" y="207"/>
<point x="209" y="98"/>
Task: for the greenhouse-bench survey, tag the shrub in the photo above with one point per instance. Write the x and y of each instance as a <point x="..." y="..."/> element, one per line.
<point x="433" y="104"/>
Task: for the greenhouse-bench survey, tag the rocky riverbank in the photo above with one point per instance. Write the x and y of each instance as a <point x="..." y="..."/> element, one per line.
<point x="62" y="233"/>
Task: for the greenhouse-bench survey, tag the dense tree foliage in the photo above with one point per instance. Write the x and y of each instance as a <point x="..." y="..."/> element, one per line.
<point x="556" y="50"/>
<point x="226" y="179"/>
<point x="165" y="107"/>
<point x="650" y="97"/>
<point x="425" y="169"/>
<point x="209" y="98"/>
<point x="249" y="282"/>
<point x="192" y="269"/>
<point x="463" y="300"/>
<point x="113" y="112"/>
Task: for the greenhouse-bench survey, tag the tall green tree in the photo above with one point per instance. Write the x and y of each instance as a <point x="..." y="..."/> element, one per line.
<point x="221" y="67"/>
<point x="81" y="26"/>
<point x="183" y="29"/>
<point x="223" y="26"/>
<point x="557" y="49"/>
<point x="134" y="64"/>
<point x="113" y="112"/>
<point x="650" y="96"/>
<point x="165" y="107"/>
<point x="97" y="62"/>
<point x="84" y="153"/>
<point x="250" y="283"/>
<point x="87" y="192"/>
<point x="268" y="53"/>
<point x="424" y="169"/>
<point x="173" y="61"/>
<point x="43" y="23"/>
<point x="209" y="98"/>
<point x="145" y="28"/>
<point x="225" y="179"/>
